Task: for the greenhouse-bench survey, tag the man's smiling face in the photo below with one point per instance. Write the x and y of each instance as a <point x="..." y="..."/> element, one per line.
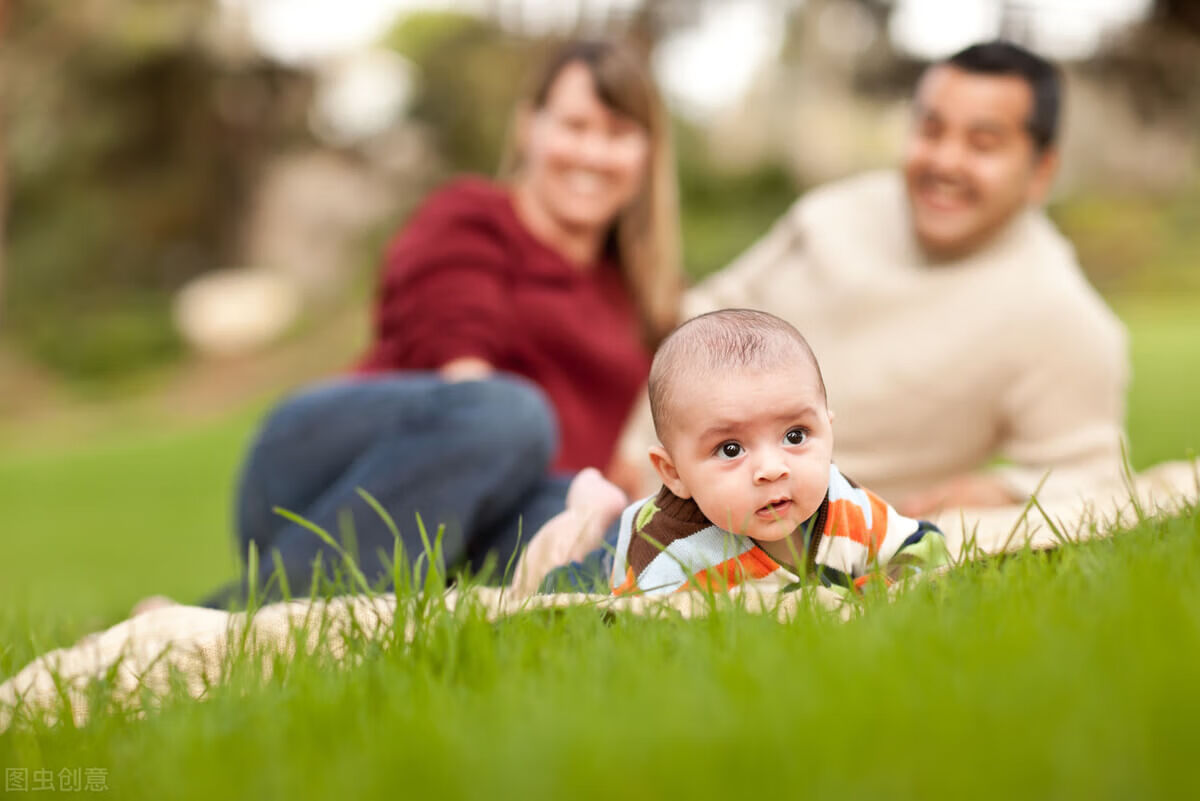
<point x="970" y="164"/>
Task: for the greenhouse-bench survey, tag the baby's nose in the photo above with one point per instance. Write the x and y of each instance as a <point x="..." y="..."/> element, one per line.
<point x="771" y="468"/>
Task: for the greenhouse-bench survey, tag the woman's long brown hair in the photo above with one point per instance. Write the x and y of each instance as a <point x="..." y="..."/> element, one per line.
<point x="646" y="232"/>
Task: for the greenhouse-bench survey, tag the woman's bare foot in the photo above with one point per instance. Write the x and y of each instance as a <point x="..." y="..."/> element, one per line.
<point x="593" y="503"/>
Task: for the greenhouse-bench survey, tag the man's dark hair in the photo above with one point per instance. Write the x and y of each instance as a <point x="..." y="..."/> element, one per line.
<point x="1006" y="58"/>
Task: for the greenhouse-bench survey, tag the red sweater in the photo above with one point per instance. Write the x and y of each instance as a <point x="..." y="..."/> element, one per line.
<point x="465" y="278"/>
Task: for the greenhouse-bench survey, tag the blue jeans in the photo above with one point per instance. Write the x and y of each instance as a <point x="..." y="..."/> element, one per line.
<point x="472" y="456"/>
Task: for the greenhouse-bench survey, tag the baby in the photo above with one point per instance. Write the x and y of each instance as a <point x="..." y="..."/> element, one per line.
<point x="750" y="491"/>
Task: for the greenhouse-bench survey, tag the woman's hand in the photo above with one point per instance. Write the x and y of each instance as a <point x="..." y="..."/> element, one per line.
<point x="468" y="368"/>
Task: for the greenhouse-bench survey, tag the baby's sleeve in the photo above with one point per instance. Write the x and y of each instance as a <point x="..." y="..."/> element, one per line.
<point x="923" y="549"/>
<point x="892" y="548"/>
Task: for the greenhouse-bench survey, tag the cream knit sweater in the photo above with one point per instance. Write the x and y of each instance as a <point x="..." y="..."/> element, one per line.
<point x="936" y="369"/>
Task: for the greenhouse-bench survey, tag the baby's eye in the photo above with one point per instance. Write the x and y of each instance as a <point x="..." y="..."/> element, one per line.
<point x="729" y="450"/>
<point x="796" y="436"/>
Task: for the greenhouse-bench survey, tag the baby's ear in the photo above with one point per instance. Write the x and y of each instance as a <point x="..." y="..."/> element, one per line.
<point x="665" y="467"/>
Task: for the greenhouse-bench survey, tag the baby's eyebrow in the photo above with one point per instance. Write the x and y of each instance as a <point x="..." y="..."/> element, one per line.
<point x="721" y="429"/>
<point x="796" y="413"/>
<point x="724" y="428"/>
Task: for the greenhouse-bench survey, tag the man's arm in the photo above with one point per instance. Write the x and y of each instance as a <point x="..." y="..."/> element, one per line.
<point x="1065" y="414"/>
<point x="969" y="489"/>
<point x="1062" y="417"/>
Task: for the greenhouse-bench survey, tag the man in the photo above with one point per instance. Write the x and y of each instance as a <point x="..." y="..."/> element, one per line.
<point x="953" y="321"/>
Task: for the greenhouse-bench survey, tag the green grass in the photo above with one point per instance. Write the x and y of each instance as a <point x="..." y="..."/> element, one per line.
<point x="1063" y="676"/>
<point x="1066" y="676"/>
<point x="1164" y="402"/>
<point x="89" y="529"/>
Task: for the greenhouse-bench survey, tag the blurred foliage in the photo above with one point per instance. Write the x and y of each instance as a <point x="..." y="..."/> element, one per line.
<point x="1135" y="243"/>
<point x="471" y="75"/>
<point x="133" y="145"/>
<point x="106" y="338"/>
<point x="1155" y="63"/>
<point x="724" y="212"/>
<point x="131" y="149"/>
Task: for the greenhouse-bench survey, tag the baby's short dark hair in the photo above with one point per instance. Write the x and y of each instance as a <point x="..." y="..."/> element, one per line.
<point x="729" y="339"/>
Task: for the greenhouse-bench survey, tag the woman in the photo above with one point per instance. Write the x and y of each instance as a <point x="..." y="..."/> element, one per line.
<point x="504" y="307"/>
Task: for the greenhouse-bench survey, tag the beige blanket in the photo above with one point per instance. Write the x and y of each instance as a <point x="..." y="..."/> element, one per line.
<point x="141" y="657"/>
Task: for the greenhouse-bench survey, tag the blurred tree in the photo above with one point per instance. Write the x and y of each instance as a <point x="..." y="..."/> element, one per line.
<point x="472" y="70"/>
<point x="1157" y="61"/>
<point x="471" y="73"/>
<point x="4" y="12"/>
<point x="1185" y="13"/>
<point x="129" y="165"/>
<point x="655" y="19"/>
<point x="1135" y="240"/>
<point x="724" y="211"/>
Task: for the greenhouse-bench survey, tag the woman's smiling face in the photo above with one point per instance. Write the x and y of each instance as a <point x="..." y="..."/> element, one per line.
<point x="582" y="161"/>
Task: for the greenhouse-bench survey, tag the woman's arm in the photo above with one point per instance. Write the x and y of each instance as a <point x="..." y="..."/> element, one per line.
<point x="443" y="301"/>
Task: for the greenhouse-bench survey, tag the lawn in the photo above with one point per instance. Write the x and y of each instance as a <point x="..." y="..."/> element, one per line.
<point x="1064" y="676"/>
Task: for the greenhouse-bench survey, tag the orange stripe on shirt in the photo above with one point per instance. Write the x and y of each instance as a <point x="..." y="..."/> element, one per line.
<point x="753" y="564"/>
<point x="628" y="585"/>
<point x="845" y="519"/>
<point x="879" y="524"/>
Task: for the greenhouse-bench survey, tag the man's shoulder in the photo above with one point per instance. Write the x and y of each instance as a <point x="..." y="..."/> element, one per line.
<point x="862" y="220"/>
<point x="1055" y="283"/>
<point x="868" y="193"/>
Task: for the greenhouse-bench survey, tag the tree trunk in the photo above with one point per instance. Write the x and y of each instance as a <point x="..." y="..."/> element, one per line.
<point x="4" y="12"/>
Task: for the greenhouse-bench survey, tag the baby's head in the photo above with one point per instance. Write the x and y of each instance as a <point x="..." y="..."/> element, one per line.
<point x="740" y="411"/>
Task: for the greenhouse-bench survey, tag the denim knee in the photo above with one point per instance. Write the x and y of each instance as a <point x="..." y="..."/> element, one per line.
<point x="514" y="407"/>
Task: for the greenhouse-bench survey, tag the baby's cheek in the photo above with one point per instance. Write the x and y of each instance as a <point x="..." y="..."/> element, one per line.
<point x="816" y="485"/>
<point x="725" y="502"/>
<point x="718" y="509"/>
<point x="729" y="520"/>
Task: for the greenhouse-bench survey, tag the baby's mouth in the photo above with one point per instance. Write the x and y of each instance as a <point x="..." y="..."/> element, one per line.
<point x="775" y="510"/>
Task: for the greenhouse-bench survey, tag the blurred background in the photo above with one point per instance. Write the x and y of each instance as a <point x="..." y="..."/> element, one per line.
<point x="194" y="197"/>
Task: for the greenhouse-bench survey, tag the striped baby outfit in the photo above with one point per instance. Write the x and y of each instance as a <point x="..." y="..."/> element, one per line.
<point x="666" y="544"/>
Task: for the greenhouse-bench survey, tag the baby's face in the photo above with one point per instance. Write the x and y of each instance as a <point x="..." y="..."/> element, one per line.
<point x="753" y="448"/>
